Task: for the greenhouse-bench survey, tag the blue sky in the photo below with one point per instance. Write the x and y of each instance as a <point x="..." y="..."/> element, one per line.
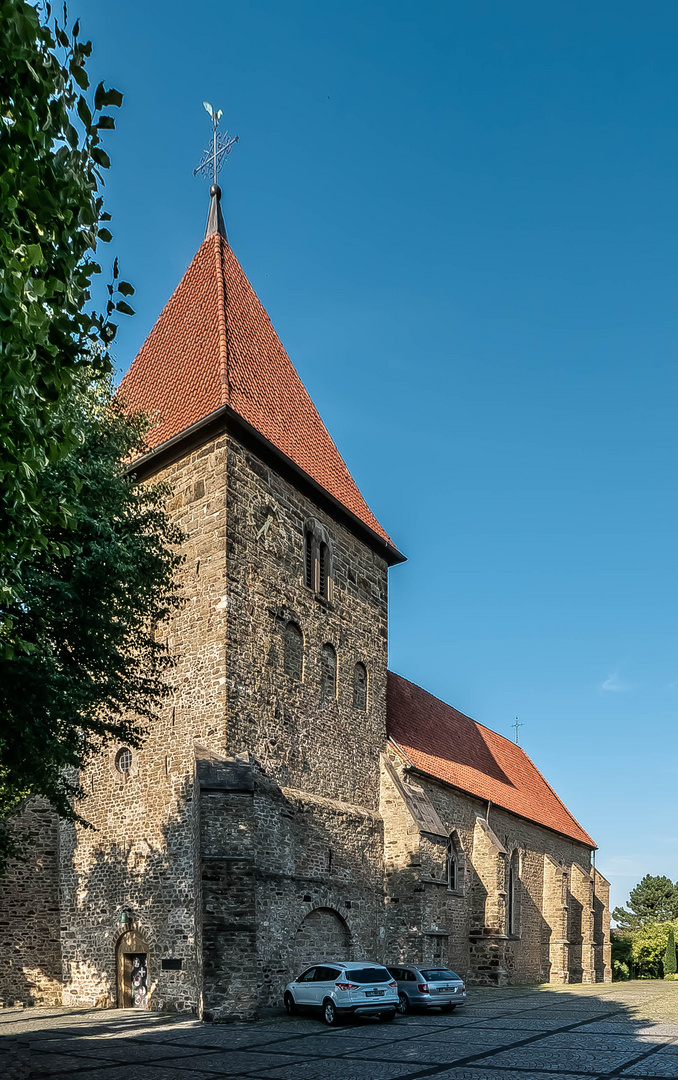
<point x="461" y="218"/>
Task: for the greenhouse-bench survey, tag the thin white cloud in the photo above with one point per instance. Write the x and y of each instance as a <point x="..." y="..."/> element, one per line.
<point x="615" y="684"/>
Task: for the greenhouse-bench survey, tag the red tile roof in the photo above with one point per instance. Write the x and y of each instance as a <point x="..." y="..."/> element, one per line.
<point x="213" y="345"/>
<point x="444" y="743"/>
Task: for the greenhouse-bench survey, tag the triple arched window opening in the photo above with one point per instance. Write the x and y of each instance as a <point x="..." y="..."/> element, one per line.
<point x="294" y="667"/>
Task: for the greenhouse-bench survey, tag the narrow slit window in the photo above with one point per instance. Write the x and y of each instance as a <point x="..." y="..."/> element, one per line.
<point x="294" y="651"/>
<point x="309" y="567"/>
<point x="360" y="687"/>
<point x="328" y="675"/>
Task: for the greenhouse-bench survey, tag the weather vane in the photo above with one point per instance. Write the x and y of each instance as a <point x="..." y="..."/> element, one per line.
<point x="215" y="155"/>
<point x="516" y="726"/>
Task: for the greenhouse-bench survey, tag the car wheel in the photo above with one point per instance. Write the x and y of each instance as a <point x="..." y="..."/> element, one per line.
<point x="387" y="1017"/>
<point x="330" y="1014"/>
<point x="448" y="1008"/>
<point x="403" y="1005"/>
<point x="290" y="1004"/>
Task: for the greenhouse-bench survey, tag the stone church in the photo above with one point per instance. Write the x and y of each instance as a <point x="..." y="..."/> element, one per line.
<point x="296" y="799"/>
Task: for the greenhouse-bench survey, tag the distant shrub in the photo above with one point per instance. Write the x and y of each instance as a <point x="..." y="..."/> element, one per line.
<point x="620" y="971"/>
<point x="670" y="956"/>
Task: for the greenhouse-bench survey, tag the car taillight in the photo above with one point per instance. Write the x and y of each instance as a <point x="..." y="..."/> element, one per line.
<point x="346" y="986"/>
<point x="422" y="988"/>
<point x="393" y="983"/>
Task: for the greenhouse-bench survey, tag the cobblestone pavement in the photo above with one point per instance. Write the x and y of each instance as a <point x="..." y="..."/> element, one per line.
<point x="565" y="1033"/>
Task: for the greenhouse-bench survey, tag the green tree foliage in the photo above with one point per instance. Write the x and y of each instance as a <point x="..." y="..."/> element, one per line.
<point x="654" y="899"/>
<point x="92" y="667"/>
<point x="87" y="556"/>
<point x="622" y="959"/>
<point x="670" y="956"/>
<point x="648" y="948"/>
<point x="51" y="214"/>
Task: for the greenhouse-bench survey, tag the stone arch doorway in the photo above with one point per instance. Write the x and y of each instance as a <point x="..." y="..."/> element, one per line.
<point x="132" y="963"/>
<point x="322" y="935"/>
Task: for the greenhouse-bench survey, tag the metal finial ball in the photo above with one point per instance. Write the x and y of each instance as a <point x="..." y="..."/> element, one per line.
<point x="215" y="190"/>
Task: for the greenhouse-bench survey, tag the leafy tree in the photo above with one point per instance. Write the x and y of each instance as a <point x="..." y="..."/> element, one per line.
<point x="654" y="899"/>
<point x="86" y="555"/>
<point x="622" y="960"/>
<point x="51" y="214"/>
<point x="648" y="948"/>
<point x="670" y="956"/>
<point x="92" y="666"/>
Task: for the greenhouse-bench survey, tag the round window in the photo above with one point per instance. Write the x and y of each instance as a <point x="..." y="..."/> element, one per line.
<point x="123" y="760"/>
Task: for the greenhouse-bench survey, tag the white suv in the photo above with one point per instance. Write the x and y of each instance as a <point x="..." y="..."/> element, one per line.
<point x="337" y="988"/>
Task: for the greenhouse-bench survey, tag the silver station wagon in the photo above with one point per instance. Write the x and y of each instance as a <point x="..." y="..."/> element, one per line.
<point x="427" y="988"/>
<point x="341" y="988"/>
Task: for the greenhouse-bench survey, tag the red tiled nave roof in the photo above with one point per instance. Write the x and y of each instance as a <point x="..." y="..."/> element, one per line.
<point x="212" y="345"/>
<point x="444" y="743"/>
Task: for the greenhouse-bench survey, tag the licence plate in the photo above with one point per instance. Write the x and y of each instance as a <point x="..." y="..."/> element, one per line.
<point x="374" y="993"/>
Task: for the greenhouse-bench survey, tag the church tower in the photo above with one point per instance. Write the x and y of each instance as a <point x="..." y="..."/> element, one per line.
<point x="254" y="801"/>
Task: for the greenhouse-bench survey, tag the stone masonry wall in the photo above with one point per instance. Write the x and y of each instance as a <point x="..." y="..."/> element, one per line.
<point x="601" y="928"/>
<point x="228" y="853"/>
<point x="555" y="942"/>
<point x="30" y="972"/>
<point x="328" y="748"/>
<point x="582" y="944"/>
<point x="469" y="927"/>
<point x="320" y="869"/>
<point x="287" y="877"/>
<point x="242" y="584"/>
<point x="142" y="855"/>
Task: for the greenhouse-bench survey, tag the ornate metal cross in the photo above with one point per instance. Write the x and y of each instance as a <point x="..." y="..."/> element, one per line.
<point x="215" y="155"/>
<point x="516" y="726"/>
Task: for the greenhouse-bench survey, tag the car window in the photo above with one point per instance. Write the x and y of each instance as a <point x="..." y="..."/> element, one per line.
<point x="369" y="975"/>
<point x="411" y="976"/>
<point x="307" y="976"/>
<point x="325" y="974"/>
<point x="396" y="972"/>
<point x="437" y="974"/>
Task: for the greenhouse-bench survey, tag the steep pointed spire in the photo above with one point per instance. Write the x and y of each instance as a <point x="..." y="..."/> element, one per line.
<point x="215" y="218"/>
<point x="213" y="347"/>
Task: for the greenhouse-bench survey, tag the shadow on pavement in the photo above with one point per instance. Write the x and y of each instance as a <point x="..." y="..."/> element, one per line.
<point x="570" y="1033"/>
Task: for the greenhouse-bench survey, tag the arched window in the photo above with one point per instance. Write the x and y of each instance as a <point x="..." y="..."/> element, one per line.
<point x="318" y="570"/>
<point x="452" y="868"/>
<point x="454" y="864"/>
<point x="512" y="894"/>
<point x="294" y="651"/>
<point x="123" y="760"/>
<point x="328" y="674"/>
<point x="360" y="687"/>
